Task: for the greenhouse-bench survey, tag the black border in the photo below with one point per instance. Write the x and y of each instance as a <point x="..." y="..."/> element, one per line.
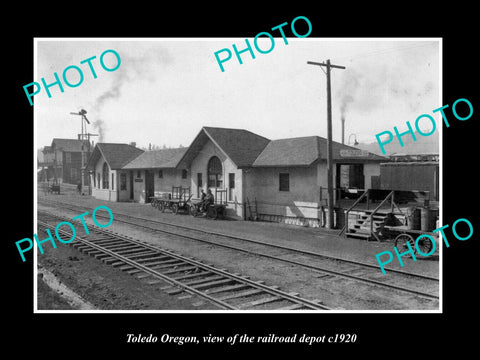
<point x="409" y="333"/>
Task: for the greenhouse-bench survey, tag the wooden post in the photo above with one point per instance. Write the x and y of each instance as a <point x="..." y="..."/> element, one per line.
<point x="346" y="222"/>
<point x="329" y="150"/>
<point x="328" y="67"/>
<point x="368" y="200"/>
<point x="371" y="224"/>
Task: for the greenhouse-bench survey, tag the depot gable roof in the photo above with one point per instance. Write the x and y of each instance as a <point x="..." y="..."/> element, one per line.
<point x="157" y="159"/>
<point x="304" y="151"/>
<point x="116" y="155"/>
<point x="241" y="146"/>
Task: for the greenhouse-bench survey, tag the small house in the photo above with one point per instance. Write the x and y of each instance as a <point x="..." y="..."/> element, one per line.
<point x="108" y="180"/>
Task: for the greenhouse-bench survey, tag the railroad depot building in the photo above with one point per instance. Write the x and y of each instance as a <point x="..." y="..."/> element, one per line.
<point x="276" y="180"/>
<point x="155" y="172"/>
<point x="108" y="180"/>
<point x="289" y="178"/>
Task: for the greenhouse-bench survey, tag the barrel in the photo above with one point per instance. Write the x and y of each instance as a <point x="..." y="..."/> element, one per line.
<point x="413" y="218"/>
<point x="428" y="218"/>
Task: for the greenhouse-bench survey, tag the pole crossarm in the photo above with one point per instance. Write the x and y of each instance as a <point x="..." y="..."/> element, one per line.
<point x="323" y="64"/>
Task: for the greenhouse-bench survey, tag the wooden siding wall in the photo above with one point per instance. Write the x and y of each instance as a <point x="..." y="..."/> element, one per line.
<point x="411" y="176"/>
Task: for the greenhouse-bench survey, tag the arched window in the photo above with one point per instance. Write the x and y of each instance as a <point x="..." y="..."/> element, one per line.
<point x="105" y="176"/>
<point x="215" y="172"/>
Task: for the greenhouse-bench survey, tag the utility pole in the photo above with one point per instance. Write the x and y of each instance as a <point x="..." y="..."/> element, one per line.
<point x="328" y="66"/>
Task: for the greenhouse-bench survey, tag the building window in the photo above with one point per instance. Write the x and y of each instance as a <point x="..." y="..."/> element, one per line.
<point x="284" y="182"/>
<point x="231" y="185"/>
<point x="184" y="174"/>
<point x="123" y="181"/>
<point x="98" y="180"/>
<point x="68" y="158"/>
<point x="160" y="174"/>
<point x="113" y="182"/>
<point x="138" y="174"/>
<point x="105" y="176"/>
<point x="215" y="172"/>
<point x="94" y="180"/>
<point x="199" y="183"/>
<point x="73" y="174"/>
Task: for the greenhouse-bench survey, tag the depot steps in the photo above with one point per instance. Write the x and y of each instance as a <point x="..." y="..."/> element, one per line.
<point x="361" y="228"/>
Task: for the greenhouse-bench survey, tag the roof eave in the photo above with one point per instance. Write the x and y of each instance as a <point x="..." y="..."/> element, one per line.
<point x="89" y="166"/>
<point x="149" y="167"/>
<point x="106" y="160"/>
<point x="284" y="165"/>
<point x="218" y="146"/>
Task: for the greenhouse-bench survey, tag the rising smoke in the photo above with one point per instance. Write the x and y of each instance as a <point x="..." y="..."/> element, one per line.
<point x="362" y="89"/>
<point x="136" y="65"/>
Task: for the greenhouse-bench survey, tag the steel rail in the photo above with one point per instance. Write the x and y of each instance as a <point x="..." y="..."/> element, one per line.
<point x="292" y="262"/>
<point x="306" y="252"/>
<point x="144" y="268"/>
<point x="305" y="302"/>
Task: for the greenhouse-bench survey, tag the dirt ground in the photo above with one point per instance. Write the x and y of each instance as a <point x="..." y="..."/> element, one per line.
<point x="106" y="287"/>
<point x="49" y="299"/>
<point x="109" y="288"/>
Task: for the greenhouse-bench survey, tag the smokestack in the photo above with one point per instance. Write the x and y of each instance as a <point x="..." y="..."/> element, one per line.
<point x="343" y="129"/>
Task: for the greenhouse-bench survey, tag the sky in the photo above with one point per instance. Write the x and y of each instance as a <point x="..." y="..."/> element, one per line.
<point x="165" y="90"/>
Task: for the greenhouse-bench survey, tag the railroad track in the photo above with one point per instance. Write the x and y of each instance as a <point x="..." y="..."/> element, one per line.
<point x="330" y="267"/>
<point x="183" y="274"/>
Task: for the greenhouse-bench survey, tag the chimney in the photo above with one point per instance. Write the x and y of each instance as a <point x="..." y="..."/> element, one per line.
<point x="133" y="143"/>
<point x="343" y="129"/>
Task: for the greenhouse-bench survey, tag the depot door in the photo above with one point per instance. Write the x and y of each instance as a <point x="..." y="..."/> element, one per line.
<point x="131" y="185"/>
<point x="149" y="185"/>
<point x="357" y="179"/>
<point x="350" y="176"/>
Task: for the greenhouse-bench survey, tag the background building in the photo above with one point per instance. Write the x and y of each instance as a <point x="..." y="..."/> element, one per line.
<point x="64" y="161"/>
